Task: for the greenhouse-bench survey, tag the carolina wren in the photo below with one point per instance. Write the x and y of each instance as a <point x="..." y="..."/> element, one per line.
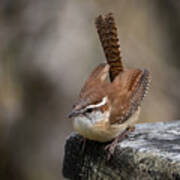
<point x="107" y="108"/>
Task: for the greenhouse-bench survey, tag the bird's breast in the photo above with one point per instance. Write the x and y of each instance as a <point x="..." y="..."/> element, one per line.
<point x="96" y="126"/>
<point x="92" y="125"/>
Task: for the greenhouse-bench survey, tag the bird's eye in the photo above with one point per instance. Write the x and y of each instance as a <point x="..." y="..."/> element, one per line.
<point x="89" y="110"/>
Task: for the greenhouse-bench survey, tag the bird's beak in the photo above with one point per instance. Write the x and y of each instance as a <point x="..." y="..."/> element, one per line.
<point x="73" y="113"/>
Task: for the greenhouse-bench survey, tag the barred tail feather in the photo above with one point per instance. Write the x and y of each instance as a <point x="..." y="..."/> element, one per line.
<point x="107" y="32"/>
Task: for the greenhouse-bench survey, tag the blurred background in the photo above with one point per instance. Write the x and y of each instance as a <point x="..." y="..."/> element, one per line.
<point x="47" y="50"/>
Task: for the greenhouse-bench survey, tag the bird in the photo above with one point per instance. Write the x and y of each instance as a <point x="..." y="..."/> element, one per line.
<point x="110" y="100"/>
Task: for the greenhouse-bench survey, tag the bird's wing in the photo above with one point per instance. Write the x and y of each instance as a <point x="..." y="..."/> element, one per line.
<point x="97" y="77"/>
<point x="128" y="90"/>
<point x="93" y="90"/>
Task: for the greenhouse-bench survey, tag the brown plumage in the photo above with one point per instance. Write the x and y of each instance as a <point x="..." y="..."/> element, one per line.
<point x="94" y="87"/>
<point x="106" y="109"/>
<point x="107" y="31"/>
<point x="125" y="93"/>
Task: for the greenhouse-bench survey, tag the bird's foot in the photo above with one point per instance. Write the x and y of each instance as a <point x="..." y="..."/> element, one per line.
<point x="111" y="147"/>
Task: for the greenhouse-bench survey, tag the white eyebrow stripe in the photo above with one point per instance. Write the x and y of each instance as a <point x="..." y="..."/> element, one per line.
<point x="103" y="102"/>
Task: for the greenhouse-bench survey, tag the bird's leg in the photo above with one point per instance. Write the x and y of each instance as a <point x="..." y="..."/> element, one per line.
<point x="111" y="147"/>
<point x="83" y="144"/>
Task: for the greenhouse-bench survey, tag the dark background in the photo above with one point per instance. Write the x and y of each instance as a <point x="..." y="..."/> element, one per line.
<point x="47" y="50"/>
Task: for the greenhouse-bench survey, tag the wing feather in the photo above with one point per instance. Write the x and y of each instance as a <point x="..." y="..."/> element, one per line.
<point x="130" y="88"/>
<point x="94" y="88"/>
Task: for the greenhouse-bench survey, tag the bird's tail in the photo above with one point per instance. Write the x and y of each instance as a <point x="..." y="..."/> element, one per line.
<point x="107" y="32"/>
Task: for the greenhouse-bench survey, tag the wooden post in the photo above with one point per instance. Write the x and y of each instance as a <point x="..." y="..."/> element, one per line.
<point x="151" y="152"/>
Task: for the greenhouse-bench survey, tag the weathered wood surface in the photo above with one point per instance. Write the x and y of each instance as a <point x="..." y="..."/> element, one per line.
<point x="152" y="152"/>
